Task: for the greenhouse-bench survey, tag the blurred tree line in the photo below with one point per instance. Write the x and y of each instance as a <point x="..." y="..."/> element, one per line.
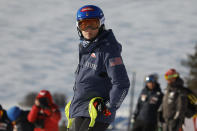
<point x="58" y="98"/>
<point x="191" y="63"/>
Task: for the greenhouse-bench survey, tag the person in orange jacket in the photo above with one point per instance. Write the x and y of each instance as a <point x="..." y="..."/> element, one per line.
<point x="44" y="113"/>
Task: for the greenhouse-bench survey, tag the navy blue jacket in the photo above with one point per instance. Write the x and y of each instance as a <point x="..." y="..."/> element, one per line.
<point x="100" y="73"/>
<point x="148" y="104"/>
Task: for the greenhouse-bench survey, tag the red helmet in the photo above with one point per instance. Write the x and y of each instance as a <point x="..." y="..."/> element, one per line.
<point x="45" y="94"/>
<point x="171" y="74"/>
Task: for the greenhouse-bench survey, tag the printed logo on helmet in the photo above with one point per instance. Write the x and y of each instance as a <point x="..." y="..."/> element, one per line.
<point x="143" y="97"/>
<point x="87" y="9"/>
<point x="42" y="93"/>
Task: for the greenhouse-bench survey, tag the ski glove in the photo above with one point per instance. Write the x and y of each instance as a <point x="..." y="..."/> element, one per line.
<point x="101" y="107"/>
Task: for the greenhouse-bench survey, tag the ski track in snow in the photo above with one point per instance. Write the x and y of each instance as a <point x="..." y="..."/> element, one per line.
<point x="39" y="42"/>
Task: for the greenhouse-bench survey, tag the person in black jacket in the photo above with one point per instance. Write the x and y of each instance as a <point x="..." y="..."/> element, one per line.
<point x="145" y="115"/>
<point x="5" y="123"/>
<point x="19" y="120"/>
<point x="175" y="102"/>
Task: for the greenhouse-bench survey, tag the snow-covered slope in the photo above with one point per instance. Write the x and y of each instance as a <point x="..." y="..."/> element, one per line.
<point x="39" y="42"/>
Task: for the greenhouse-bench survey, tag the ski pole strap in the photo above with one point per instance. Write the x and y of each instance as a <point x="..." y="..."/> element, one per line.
<point x="92" y="111"/>
<point x="70" y="120"/>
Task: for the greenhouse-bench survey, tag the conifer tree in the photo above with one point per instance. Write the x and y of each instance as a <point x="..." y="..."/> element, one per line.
<point x="191" y="63"/>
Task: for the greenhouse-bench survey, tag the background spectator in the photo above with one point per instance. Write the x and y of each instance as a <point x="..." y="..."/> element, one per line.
<point x="44" y="113"/>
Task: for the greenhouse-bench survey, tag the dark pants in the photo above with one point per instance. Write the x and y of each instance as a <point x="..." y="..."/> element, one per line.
<point x="172" y="125"/>
<point x="143" y="126"/>
<point x="82" y="124"/>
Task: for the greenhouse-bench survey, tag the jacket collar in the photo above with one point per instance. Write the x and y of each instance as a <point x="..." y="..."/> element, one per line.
<point x="92" y="45"/>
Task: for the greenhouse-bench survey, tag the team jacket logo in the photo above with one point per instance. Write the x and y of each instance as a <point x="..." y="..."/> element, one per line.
<point x="90" y="65"/>
<point x="93" y="55"/>
<point x="143" y="97"/>
<point x="171" y="97"/>
<point x="153" y="100"/>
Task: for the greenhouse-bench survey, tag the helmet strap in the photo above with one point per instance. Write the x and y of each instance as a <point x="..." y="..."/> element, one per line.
<point x="79" y="32"/>
<point x="102" y="28"/>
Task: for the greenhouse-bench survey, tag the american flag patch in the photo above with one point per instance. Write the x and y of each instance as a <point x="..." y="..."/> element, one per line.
<point x="115" y="61"/>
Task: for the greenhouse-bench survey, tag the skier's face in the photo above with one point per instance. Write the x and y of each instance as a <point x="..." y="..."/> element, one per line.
<point x="150" y="85"/>
<point x="89" y="33"/>
<point x="169" y="81"/>
<point x="89" y="28"/>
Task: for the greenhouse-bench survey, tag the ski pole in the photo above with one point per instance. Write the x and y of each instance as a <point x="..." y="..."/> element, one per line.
<point x="70" y="120"/>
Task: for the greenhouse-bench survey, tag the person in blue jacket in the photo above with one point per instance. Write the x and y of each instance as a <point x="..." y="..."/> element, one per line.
<point x="149" y="101"/>
<point x="100" y="72"/>
<point x="18" y="117"/>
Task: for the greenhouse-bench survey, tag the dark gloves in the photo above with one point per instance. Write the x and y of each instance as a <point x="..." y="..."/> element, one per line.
<point x="160" y="117"/>
<point x="101" y="107"/>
